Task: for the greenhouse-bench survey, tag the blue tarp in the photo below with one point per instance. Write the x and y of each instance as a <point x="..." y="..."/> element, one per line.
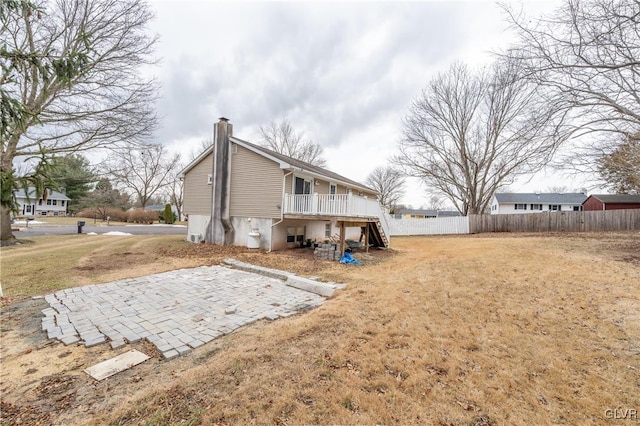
<point x="347" y="258"/>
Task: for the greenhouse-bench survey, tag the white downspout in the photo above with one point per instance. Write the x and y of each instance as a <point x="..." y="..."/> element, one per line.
<point x="284" y="181"/>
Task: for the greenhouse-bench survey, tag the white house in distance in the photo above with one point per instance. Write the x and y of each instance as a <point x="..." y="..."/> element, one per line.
<point x="55" y="203"/>
<point x="537" y="202"/>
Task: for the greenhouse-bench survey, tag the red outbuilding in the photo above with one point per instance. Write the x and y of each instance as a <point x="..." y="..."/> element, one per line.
<point x="611" y="202"/>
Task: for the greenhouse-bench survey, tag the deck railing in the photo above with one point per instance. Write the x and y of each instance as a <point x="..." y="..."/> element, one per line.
<point x="346" y="205"/>
<point x="331" y="205"/>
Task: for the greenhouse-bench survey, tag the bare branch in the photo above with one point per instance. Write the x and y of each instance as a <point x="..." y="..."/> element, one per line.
<point x="469" y="134"/>
<point x="143" y="171"/>
<point x="389" y="182"/>
<point x="282" y="138"/>
<point x="587" y="54"/>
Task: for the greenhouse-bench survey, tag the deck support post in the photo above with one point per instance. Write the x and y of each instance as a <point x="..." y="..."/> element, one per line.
<point x="366" y="238"/>
<point x="342" y="237"/>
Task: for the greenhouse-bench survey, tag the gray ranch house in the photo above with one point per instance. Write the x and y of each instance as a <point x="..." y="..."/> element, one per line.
<point x="238" y="193"/>
<point x="536" y="202"/>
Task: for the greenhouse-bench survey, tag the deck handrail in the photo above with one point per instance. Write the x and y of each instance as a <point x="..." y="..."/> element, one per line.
<point x="331" y="205"/>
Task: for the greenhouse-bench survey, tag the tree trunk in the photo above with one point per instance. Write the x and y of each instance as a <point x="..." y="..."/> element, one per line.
<point x="5" y="225"/>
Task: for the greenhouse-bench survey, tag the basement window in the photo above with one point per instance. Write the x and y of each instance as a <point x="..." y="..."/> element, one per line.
<point x="295" y="234"/>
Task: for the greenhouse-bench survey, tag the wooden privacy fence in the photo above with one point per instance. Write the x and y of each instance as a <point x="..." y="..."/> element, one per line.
<point x="607" y="220"/>
<point x="431" y="226"/>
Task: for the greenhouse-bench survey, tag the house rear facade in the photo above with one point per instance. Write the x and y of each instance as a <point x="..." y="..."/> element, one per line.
<point x="522" y="203"/>
<point x="239" y="193"/>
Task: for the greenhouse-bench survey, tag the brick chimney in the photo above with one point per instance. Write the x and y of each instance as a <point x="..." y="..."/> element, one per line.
<point x="222" y="231"/>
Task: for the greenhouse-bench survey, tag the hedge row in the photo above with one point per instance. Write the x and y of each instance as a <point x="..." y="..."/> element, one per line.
<point x="118" y="215"/>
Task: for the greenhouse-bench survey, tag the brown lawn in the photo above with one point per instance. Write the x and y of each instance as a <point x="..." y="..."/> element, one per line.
<point x="480" y="330"/>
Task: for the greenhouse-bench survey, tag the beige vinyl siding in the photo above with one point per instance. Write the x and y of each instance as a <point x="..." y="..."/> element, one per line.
<point x="321" y="188"/>
<point x="197" y="193"/>
<point x="288" y="184"/>
<point x="256" y="185"/>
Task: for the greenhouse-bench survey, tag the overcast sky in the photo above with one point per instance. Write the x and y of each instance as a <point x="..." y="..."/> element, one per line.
<point x="342" y="73"/>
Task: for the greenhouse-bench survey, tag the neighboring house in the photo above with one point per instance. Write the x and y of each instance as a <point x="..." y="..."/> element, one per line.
<point x="54" y="204"/>
<point x="449" y="213"/>
<point x="256" y="197"/>
<point x="516" y="203"/>
<point x="424" y="214"/>
<point x="415" y="214"/>
<point x="611" y="202"/>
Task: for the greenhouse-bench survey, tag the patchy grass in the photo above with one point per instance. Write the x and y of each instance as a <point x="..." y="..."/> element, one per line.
<point x="481" y="330"/>
<point x="51" y="263"/>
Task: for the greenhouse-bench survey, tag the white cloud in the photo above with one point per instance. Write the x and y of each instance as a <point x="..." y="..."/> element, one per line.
<point x="343" y="73"/>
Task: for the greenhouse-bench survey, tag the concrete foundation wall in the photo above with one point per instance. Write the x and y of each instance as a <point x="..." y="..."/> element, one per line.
<point x="244" y="225"/>
<point x="197" y="225"/>
<point x="314" y="230"/>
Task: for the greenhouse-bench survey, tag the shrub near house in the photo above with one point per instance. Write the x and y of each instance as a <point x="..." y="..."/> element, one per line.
<point x="119" y="215"/>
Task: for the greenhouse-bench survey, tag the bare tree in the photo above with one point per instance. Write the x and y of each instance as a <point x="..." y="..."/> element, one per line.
<point x="144" y="171"/>
<point x="558" y="189"/>
<point x="435" y="202"/>
<point x="389" y="182"/>
<point x="204" y="145"/>
<point x="70" y="80"/>
<point x="282" y="138"/>
<point x="469" y="134"/>
<point x="587" y="54"/>
<point x="175" y="191"/>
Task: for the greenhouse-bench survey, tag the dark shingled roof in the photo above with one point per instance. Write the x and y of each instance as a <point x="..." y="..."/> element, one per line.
<point x="618" y="198"/>
<point x="449" y="213"/>
<point x="541" y="198"/>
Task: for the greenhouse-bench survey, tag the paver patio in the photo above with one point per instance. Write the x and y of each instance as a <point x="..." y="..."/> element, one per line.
<point x="177" y="311"/>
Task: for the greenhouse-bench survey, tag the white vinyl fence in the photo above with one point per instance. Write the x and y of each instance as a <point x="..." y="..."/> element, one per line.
<point x="431" y="226"/>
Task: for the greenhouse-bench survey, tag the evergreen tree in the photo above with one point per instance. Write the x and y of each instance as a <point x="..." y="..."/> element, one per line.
<point x="73" y="175"/>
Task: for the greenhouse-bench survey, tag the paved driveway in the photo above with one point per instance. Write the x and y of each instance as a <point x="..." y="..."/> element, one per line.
<point x="177" y="311"/>
<point x="38" y="230"/>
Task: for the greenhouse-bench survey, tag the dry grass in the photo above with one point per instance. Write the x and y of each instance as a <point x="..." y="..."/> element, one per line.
<point x="450" y="331"/>
<point x="445" y="330"/>
<point x="51" y="263"/>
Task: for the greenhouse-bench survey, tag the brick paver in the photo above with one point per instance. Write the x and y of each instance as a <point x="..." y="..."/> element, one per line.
<point x="177" y="311"/>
